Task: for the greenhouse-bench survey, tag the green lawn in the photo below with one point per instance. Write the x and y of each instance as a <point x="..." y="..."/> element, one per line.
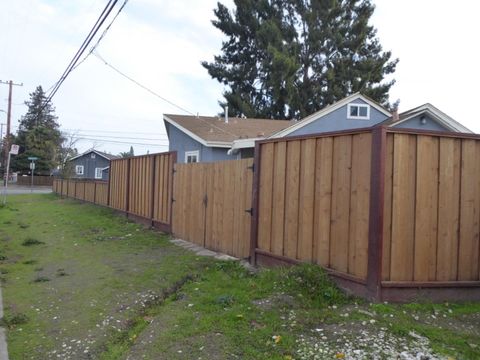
<point x="80" y="282"/>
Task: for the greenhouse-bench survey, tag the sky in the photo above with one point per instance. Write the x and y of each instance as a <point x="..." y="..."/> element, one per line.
<point x="161" y="43"/>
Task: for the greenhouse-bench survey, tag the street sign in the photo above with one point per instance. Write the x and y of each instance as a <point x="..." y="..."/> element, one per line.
<point x="32" y="166"/>
<point x="14" y="149"/>
<point x="32" y="158"/>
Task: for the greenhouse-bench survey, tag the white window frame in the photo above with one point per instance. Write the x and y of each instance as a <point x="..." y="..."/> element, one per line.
<point x="192" y="153"/>
<point x="99" y="170"/>
<point x="92" y="156"/>
<point x="359" y="106"/>
<point x="79" y="170"/>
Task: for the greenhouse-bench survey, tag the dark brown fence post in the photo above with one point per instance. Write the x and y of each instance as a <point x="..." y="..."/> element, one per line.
<point x="127" y="189"/>
<point x="95" y="192"/>
<point x="255" y="197"/>
<point x="152" y="199"/>
<point x="171" y="173"/>
<point x="109" y="180"/>
<point x="377" y="198"/>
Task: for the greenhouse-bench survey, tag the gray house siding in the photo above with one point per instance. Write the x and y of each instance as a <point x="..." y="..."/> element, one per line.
<point x="181" y="143"/>
<point x="89" y="165"/>
<point x="415" y="123"/>
<point x="337" y="120"/>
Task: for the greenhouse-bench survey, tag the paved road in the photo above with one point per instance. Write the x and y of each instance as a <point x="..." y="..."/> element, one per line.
<point x="14" y="190"/>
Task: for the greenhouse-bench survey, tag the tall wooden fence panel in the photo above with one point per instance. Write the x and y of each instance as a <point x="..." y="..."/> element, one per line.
<point x="432" y="207"/>
<point x="163" y="186"/>
<point x="210" y="205"/>
<point x="314" y="198"/>
<point x="119" y="184"/>
<point x="140" y="190"/>
<point x="101" y="193"/>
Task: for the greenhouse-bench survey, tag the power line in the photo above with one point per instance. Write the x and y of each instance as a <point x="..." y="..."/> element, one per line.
<point x="138" y="84"/>
<point x="103" y="35"/>
<point x="112" y="137"/>
<point x="101" y="19"/>
<point x="112" y="131"/>
<point x="119" y="142"/>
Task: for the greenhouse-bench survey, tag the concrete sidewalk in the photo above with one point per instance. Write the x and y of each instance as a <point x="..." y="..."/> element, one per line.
<point x="3" y="338"/>
<point x="16" y="189"/>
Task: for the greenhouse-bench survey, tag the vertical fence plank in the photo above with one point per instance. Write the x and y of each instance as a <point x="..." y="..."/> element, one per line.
<point x="306" y="200"/>
<point x="426" y="209"/>
<point x="323" y="200"/>
<point x="265" y="200"/>
<point x="342" y="162"/>
<point x="359" y="205"/>
<point x="387" y="216"/>
<point x="291" y="199"/>
<point x="403" y="219"/>
<point x="469" y="212"/>
<point x="448" y="209"/>
<point x="278" y="208"/>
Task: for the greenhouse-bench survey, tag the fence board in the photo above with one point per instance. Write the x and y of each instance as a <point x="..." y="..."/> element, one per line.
<point x="403" y="212"/>
<point x="359" y="202"/>
<point x="341" y="181"/>
<point x="306" y="200"/>
<point x="265" y="202"/>
<point x="90" y="191"/>
<point x="278" y="209"/>
<point x="387" y="214"/>
<point x="118" y="184"/>
<point x="469" y="211"/>
<point x="101" y="193"/>
<point x="291" y="199"/>
<point x="448" y="210"/>
<point x="323" y="200"/>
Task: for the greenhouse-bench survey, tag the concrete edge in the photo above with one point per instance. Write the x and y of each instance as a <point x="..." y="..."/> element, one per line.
<point x="3" y="337"/>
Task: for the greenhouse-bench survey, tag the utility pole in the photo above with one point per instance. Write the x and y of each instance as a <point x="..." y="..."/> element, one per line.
<point x="6" y="143"/>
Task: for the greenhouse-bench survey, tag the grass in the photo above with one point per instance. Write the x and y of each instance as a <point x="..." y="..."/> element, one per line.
<point x="115" y="290"/>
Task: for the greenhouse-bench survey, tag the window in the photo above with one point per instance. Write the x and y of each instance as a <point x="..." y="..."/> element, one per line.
<point x="79" y="169"/>
<point x="92" y="156"/>
<point x="98" y="173"/>
<point x="358" y="111"/>
<point x="192" y="156"/>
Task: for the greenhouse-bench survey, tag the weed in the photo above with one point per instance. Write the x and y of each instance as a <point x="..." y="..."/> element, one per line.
<point x="225" y="300"/>
<point x="4" y="271"/>
<point x="31" y="242"/>
<point x="61" y="272"/>
<point x="23" y="225"/>
<point x="30" y="262"/>
<point x="311" y="283"/>
<point x="11" y="321"/>
<point x="40" y="279"/>
<point x="3" y="257"/>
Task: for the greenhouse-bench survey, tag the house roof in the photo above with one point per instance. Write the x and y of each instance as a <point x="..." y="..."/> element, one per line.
<point x="436" y="114"/>
<point x="213" y="131"/>
<point x="326" y="110"/>
<point x="100" y="153"/>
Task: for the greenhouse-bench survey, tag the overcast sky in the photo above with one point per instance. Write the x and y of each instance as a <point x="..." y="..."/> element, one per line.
<point x="160" y="43"/>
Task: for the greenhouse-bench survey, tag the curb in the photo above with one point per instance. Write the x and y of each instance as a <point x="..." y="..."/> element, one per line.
<point x="3" y="338"/>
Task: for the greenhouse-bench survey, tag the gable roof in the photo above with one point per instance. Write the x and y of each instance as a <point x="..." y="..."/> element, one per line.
<point x="436" y="114"/>
<point x="327" y="110"/>
<point x="99" y="153"/>
<point x="213" y="131"/>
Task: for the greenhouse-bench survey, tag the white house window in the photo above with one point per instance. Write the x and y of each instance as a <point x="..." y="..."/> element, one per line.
<point x="92" y="156"/>
<point x="98" y="173"/>
<point x="79" y="169"/>
<point x="358" y="111"/>
<point x="192" y="156"/>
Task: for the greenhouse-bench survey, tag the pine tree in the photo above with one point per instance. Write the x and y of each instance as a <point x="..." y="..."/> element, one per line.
<point x="290" y="58"/>
<point x="38" y="136"/>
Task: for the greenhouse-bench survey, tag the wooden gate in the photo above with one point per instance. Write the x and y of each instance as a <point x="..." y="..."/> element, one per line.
<point x="210" y="205"/>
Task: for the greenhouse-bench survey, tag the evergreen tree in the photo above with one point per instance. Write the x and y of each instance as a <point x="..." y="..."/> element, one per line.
<point x="38" y="136"/>
<point x="289" y="58"/>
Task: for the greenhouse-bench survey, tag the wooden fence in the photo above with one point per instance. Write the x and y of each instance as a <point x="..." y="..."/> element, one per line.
<point x="392" y="214"/>
<point x="388" y="212"/>
<point x="211" y="205"/>
<point x="37" y="180"/>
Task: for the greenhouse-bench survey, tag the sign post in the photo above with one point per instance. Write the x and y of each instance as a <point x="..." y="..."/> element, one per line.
<point x="32" y="167"/>
<point x="13" y="151"/>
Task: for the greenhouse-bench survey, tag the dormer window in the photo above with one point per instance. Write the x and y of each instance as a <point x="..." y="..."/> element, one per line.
<point x="358" y="111"/>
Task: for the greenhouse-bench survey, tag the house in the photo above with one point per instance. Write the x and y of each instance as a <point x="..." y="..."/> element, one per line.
<point x="210" y="138"/>
<point x="92" y="164"/>
<point x="193" y="136"/>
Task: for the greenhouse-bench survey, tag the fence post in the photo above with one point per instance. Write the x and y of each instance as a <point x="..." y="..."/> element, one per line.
<point x="109" y="180"/>
<point x="377" y="198"/>
<point x="171" y="172"/>
<point x="152" y="200"/>
<point x="94" y="192"/>
<point x="127" y="189"/>
<point x="255" y="198"/>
